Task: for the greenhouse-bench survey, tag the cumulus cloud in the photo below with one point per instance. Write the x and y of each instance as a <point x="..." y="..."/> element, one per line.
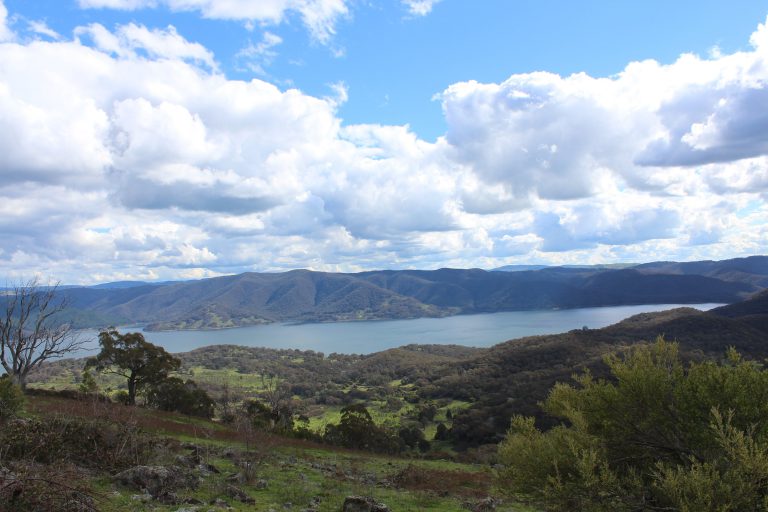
<point x="319" y="16"/>
<point x="560" y="137"/>
<point x="146" y="161"/>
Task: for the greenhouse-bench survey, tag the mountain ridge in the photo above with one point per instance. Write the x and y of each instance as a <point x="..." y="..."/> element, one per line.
<point x="308" y="296"/>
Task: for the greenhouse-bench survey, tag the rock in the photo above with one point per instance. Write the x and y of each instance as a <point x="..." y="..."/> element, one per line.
<point x="261" y="484"/>
<point x="168" y="498"/>
<point x="207" y="469"/>
<point x="488" y="504"/>
<point x="238" y="494"/>
<point x="157" y="480"/>
<point x="363" y="504"/>
<point x="218" y="502"/>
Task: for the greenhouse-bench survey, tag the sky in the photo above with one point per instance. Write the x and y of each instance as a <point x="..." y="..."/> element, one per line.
<point x="182" y="139"/>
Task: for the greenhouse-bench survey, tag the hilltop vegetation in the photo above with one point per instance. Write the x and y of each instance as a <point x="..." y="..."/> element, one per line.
<point x="305" y="296"/>
<point x="657" y="435"/>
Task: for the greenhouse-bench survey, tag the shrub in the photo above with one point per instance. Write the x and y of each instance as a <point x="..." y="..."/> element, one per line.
<point x="11" y="398"/>
<point x="173" y="394"/>
<point x="657" y="436"/>
<point x="95" y="444"/>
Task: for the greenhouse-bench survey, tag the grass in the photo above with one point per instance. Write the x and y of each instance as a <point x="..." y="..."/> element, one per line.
<point x="299" y="474"/>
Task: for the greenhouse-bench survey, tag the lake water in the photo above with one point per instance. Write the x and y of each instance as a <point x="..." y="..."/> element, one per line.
<point x="481" y="330"/>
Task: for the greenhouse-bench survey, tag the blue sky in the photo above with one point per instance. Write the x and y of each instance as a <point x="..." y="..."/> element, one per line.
<point x="159" y="139"/>
<point x="393" y="62"/>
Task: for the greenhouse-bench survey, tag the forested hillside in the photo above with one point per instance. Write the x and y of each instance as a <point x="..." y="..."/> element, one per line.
<point x="305" y="296"/>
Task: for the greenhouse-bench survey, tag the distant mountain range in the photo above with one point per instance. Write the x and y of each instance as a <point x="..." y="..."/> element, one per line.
<point x="306" y="296"/>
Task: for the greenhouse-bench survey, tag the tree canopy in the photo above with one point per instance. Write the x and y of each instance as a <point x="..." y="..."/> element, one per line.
<point x="134" y="358"/>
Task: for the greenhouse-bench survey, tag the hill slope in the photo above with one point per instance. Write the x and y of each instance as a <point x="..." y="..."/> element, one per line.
<point x="306" y="296"/>
<point x="514" y="376"/>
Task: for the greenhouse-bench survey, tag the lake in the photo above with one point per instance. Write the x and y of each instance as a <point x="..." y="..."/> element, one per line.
<point x="480" y="330"/>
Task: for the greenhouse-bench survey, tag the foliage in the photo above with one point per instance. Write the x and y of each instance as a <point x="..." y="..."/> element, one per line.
<point x="87" y="443"/>
<point x="134" y="358"/>
<point x="30" y="330"/>
<point x="11" y="398"/>
<point x="657" y="434"/>
<point x="175" y="395"/>
<point x="357" y="430"/>
<point x="88" y="383"/>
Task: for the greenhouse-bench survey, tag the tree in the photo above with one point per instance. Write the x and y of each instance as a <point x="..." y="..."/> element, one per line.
<point x="31" y="331"/>
<point x="131" y="356"/>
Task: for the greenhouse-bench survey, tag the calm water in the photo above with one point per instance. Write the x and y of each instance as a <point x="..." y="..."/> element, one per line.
<point x="482" y="330"/>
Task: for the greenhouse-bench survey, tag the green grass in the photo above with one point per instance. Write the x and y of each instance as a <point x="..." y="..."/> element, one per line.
<point x="297" y="473"/>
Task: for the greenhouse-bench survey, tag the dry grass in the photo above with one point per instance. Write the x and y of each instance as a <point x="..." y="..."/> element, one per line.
<point x="438" y="481"/>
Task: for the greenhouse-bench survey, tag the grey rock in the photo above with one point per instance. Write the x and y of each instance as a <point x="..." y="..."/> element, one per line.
<point x="157" y="480"/>
<point x="488" y="504"/>
<point x="238" y="494"/>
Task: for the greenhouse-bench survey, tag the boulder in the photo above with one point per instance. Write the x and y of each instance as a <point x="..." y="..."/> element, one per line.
<point x="157" y="480"/>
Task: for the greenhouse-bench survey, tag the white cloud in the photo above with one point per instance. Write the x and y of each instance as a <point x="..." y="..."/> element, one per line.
<point x="256" y="57"/>
<point x="41" y="28"/>
<point x="559" y="138"/>
<point x="419" y="7"/>
<point x="134" y="40"/>
<point x="5" y="31"/>
<point x="144" y="160"/>
<point x="319" y="16"/>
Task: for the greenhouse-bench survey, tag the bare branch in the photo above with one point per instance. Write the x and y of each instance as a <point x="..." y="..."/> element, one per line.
<point x="30" y="330"/>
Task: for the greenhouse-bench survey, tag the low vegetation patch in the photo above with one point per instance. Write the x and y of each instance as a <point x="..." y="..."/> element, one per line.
<point x="658" y="435"/>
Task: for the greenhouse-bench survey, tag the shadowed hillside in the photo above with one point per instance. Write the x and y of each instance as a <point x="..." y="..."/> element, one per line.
<point x="306" y="296"/>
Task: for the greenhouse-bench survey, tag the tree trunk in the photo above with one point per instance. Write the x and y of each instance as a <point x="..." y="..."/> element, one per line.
<point x="132" y="389"/>
<point x="20" y="380"/>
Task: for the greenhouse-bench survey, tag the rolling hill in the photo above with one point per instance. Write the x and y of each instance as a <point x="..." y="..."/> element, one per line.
<point x="307" y="296"/>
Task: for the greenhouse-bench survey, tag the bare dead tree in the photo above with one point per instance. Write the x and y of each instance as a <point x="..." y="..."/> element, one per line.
<point x="30" y="332"/>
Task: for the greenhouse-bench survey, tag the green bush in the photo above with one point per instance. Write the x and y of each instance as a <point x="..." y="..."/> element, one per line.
<point x="658" y="435"/>
<point x="173" y="394"/>
<point x="11" y="398"/>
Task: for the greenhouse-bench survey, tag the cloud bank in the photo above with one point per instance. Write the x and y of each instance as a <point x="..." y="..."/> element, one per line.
<point x="127" y="154"/>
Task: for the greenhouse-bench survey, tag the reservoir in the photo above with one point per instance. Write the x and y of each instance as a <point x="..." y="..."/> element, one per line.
<point x="479" y="330"/>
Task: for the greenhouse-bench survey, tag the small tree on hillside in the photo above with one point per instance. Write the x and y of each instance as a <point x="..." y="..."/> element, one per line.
<point x="31" y="331"/>
<point x="134" y="358"/>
